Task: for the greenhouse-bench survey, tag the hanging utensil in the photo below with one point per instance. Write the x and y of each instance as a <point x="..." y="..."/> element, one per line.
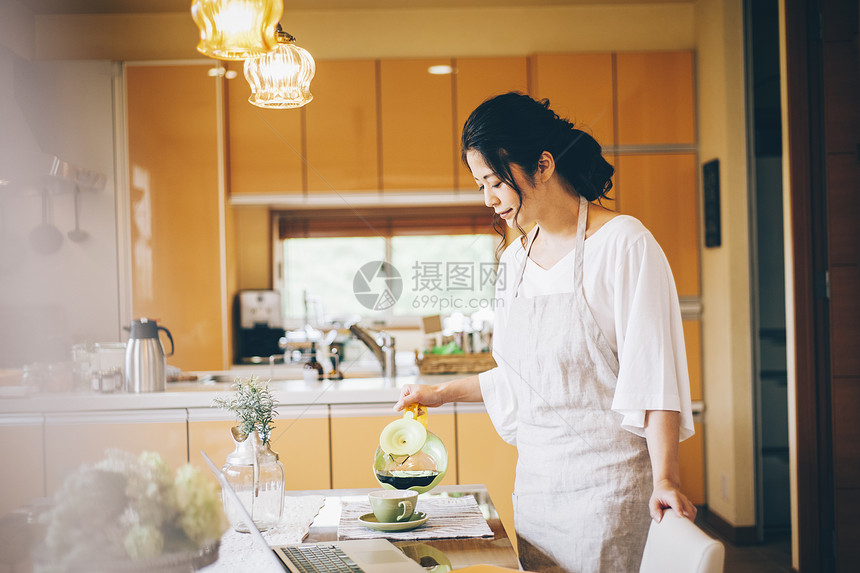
<point x="77" y="234"/>
<point x="46" y="238"/>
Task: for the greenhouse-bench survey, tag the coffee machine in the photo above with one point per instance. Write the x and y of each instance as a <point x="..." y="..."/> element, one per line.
<point x="261" y="325"/>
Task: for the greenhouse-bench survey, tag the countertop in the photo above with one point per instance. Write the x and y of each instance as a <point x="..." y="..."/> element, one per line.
<point x="361" y="386"/>
<point x="361" y="389"/>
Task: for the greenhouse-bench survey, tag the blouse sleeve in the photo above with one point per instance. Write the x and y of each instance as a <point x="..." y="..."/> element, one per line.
<point x="652" y="373"/>
<point x="497" y="391"/>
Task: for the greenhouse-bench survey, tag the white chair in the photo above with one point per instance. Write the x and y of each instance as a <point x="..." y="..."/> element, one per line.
<point x="676" y="545"/>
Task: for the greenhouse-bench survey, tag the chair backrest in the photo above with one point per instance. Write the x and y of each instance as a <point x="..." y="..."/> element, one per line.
<point x="676" y="545"/>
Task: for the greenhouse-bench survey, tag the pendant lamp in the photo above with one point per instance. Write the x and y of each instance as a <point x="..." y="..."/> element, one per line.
<point x="282" y="78"/>
<point x="236" y="29"/>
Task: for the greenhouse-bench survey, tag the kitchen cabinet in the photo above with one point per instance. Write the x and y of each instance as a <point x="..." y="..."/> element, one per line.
<point x="691" y="452"/>
<point x="342" y="128"/>
<point x="175" y="208"/>
<point x="693" y="343"/>
<point x="656" y="98"/>
<point x="300" y="439"/>
<point x="660" y="191"/>
<point x="580" y="88"/>
<point x="416" y="125"/>
<point x="23" y="473"/>
<point x="83" y="437"/>
<point x="266" y="147"/>
<point x="479" y="79"/>
<point x="483" y="457"/>
<point x="691" y="464"/>
<point x="355" y="433"/>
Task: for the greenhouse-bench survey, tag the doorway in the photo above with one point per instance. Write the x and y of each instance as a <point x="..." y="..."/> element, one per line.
<point x="768" y="270"/>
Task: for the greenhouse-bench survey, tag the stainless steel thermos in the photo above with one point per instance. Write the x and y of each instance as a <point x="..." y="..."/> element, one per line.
<point x="145" y="363"/>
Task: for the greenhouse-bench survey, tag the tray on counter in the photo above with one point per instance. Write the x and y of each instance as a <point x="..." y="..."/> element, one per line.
<point x="454" y="363"/>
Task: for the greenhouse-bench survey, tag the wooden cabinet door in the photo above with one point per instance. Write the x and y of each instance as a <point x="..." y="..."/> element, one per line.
<point x="693" y="343"/>
<point x="265" y="145"/>
<point x="483" y="457"/>
<point x="479" y="79"/>
<point x="342" y="128"/>
<point x="656" y="99"/>
<point x="691" y="463"/>
<point x="355" y="436"/>
<point x="24" y="475"/>
<point x="300" y="439"/>
<point x="175" y="203"/>
<point x="83" y="437"/>
<point x="416" y="125"/>
<point x="660" y="191"/>
<point x="579" y="87"/>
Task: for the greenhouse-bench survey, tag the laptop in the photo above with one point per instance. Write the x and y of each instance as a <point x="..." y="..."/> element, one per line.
<point x="350" y="556"/>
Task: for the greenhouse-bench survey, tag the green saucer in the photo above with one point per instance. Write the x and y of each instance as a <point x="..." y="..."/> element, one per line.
<point x="418" y="519"/>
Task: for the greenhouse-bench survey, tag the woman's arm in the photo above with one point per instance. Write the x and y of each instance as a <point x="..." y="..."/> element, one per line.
<point x="432" y="395"/>
<point x="661" y="433"/>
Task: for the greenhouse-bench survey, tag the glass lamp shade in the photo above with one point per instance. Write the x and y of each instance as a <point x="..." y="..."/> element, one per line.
<point x="282" y="78"/>
<point x="236" y="29"/>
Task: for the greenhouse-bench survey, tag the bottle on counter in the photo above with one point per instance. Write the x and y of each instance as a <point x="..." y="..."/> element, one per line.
<point x="335" y="373"/>
<point x="313" y="370"/>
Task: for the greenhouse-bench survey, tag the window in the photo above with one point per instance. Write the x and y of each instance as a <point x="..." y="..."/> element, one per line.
<point x="385" y="267"/>
<point x="438" y="274"/>
<point x="322" y="269"/>
<point x="444" y="273"/>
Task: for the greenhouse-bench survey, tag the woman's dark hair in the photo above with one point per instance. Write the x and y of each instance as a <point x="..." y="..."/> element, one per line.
<point x="514" y="128"/>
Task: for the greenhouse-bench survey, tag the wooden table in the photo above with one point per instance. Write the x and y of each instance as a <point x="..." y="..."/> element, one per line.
<point x="457" y="553"/>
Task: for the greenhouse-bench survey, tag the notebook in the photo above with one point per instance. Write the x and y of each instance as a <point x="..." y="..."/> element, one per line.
<point x="367" y="555"/>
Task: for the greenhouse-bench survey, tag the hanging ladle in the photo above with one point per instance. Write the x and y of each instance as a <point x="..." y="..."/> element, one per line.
<point x="77" y="234"/>
<point x="46" y="238"/>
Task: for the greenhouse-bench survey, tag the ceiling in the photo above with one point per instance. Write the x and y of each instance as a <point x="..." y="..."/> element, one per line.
<point x="162" y="6"/>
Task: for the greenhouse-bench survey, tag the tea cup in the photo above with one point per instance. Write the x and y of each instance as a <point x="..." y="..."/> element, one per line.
<point x="393" y="505"/>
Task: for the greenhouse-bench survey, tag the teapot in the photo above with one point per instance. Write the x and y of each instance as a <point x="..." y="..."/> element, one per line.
<point x="409" y="456"/>
<point x="145" y="363"/>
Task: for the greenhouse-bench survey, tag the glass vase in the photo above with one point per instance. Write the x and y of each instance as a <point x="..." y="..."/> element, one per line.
<point x="254" y="472"/>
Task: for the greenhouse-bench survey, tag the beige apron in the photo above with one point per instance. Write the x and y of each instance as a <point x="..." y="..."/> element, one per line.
<point x="583" y="483"/>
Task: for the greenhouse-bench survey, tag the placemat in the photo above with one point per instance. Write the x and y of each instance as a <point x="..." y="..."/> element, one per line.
<point x="448" y="517"/>
<point x="239" y="552"/>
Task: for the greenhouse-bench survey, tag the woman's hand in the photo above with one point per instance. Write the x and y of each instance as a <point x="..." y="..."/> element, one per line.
<point x="433" y="395"/>
<point x="666" y="495"/>
<point x="429" y="395"/>
<point x="661" y="433"/>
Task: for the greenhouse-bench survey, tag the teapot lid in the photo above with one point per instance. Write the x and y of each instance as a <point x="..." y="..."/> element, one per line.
<point x="144" y="328"/>
<point x="403" y="437"/>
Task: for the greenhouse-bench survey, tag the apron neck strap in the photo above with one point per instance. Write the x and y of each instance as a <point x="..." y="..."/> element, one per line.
<point x="581" y="222"/>
<point x="580" y="243"/>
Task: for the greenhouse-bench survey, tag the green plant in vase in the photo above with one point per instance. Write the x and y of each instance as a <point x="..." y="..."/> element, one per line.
<point x="253" y="469"/>
<point x="253" y="405"/>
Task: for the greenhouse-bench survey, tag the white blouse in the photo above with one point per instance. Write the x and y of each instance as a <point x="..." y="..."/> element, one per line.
<point x="631" y="292"/>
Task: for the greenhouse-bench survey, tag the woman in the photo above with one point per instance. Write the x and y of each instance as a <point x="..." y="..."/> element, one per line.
<point x="591" y="383"/>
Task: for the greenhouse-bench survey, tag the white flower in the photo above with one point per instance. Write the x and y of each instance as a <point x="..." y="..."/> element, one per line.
<point x="200" y="512"/>
<point x="143" y="542"/>
<point x="131" y="507"/>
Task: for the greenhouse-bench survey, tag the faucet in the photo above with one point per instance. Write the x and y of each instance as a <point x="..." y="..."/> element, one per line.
<point x="382" y="347"/>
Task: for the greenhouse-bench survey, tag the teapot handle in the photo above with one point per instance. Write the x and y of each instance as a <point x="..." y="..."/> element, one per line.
<point x="171" y="339"/>
<point x="418" y="413"/>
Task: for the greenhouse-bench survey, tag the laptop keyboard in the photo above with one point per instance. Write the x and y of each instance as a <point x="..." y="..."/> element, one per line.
<point x="321" y="559"/>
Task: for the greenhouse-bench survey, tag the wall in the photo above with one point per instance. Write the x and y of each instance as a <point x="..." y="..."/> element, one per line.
<point x="726" y="337"/>
<point x="330" y="34"/>
<point x="49" y="301"/>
